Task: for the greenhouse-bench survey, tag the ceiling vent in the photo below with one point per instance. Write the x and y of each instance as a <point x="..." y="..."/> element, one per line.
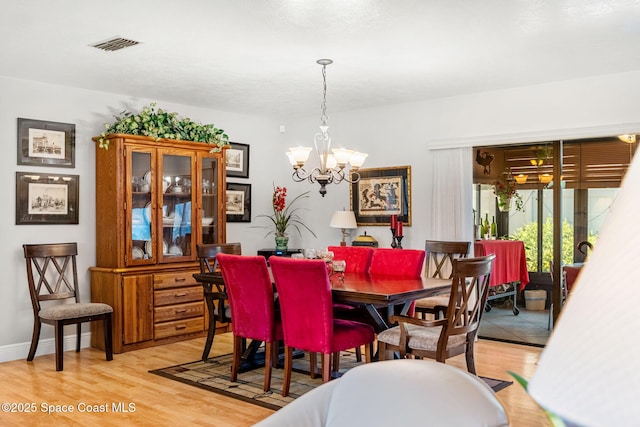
<point x="115" y="43"/>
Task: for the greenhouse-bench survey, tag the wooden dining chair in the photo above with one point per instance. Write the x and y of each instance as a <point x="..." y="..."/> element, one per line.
<point x="216" y="300"/>
<point x="439" y="265"/>
<point x="311" y="326"/>
<point x="454" y="334"/>
<point x="52" y="276"/>
<point x="251" y="300"/>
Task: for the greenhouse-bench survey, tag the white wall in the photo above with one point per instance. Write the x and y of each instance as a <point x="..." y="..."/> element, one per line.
<point x="89" y="110"/>
<point x="395" y="135"/>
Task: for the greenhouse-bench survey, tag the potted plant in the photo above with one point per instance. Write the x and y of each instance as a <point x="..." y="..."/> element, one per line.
<point x="506" y="191"/>
<point x="162" y="124"/>
<point x="285" y="216"/>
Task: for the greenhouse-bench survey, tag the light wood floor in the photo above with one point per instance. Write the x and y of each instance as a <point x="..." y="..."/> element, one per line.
<point x="90" y="382"/>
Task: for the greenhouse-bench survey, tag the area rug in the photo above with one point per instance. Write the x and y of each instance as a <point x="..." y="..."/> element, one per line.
<point x="213" y="375"/>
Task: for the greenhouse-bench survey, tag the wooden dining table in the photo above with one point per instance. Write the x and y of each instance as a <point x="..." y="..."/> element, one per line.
<point x="374" y="293"/>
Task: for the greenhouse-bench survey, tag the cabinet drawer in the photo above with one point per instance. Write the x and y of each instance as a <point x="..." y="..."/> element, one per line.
<point x="178" y="327"/>
<point x="177" y="312"/>
<point x="177" y="296"/>
<point x="173" y="280"/>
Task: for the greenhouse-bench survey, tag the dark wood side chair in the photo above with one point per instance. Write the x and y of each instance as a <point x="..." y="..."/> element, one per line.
<point x="454" y="334"/>
<point x="439" y="265"/>
<point x="53" y="278"/>
<point x="216" y="299"/>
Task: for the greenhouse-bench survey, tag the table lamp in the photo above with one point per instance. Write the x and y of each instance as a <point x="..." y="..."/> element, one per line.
<point x="588" y="373"/>
<point x="343" y="220"/>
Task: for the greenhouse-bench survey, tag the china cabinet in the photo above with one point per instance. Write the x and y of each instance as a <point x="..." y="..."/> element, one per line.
<point x="155" y="200"/>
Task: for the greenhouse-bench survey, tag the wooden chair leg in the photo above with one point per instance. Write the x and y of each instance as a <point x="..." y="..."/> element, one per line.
<point x="35" y="337"/>
<point x="268" y="353"/>
<point x="313" y="362"/>
<point x="326" y="367"/>
<point x="336" y="362"/>
<point x="368" y="352"/>
<point x="108" y="336"/>
<point x="59" y="338"/>
<point x="382" y="351"/>
<point x="237" y="354"/>
<point x="358" y="354"/>
<point x="210" y="334"/>
<point x="78" y="335"/>
<point x="288" y="365"/>
<point x="471" y="366"/>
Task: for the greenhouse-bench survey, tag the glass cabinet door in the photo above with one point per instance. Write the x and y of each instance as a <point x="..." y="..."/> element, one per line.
<point x="139" y="207"/>
<point x="177" y="203"/>
<point x="209" y="174"/>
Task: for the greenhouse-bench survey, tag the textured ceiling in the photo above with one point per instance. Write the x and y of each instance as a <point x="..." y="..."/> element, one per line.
<point x="259" y="57"/>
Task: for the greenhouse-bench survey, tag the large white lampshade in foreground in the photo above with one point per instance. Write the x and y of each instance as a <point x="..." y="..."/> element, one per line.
<point x="589" y="372"/>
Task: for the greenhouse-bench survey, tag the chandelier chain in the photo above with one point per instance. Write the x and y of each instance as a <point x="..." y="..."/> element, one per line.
<point x="324" y="117"/>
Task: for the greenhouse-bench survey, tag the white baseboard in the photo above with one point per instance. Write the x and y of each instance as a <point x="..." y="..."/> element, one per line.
<point x="45" y="346"/>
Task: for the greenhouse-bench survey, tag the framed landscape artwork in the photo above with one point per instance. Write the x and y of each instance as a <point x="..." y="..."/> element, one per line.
<point x="42" y="143"/>
<point x="237" y="160"/>
<point x="380" y="193"/>
<point x="238" y="202"/>
<point x="46" y="198"/>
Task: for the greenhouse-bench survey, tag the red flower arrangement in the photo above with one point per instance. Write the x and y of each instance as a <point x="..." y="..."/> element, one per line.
<point x="285" y="216"/>
<point x="505" y="191"/>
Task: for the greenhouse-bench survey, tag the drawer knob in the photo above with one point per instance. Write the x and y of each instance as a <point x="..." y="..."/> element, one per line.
<point x="181" y="326"/>
<point x="180" y="279"/>
<point x="182" y="294"/>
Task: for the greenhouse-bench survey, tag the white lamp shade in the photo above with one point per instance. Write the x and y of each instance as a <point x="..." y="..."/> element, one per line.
<point x="357" y="159"/>
<point x="342" y="155"/>
<point x="292" y="158"/>
<point x="343" y="219"/>
<point x="588" y="373"/>
<point x="301" y="154"/>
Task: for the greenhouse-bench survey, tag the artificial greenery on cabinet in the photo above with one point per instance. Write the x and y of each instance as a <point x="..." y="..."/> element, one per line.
<point x="158" y="124"/>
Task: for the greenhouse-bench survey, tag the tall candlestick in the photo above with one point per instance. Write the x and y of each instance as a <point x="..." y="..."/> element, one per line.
<point x="394" y="221"/>
<point x="399" y="229"/>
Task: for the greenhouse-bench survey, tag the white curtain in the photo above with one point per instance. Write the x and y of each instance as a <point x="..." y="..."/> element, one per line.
<point x="452" y="195"/>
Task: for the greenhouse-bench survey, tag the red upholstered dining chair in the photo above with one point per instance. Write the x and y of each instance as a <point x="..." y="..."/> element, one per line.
<point x="52" y="275"/>
<point x="312" y="327"/>
<point x="250" y="294"/>
<point x="439" y="265"/>
<point x="454" y="334"/>
<point x="398" y="263"/>
<point x="357" y="258"/>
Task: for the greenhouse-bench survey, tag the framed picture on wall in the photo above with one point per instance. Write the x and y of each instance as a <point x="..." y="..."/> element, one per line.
<point x="46" y="198"/>
<point x="237" y="160"/>
<point x="380" y="193"/>
<point x="42" y="143"/>
<point x="238" y="202"/>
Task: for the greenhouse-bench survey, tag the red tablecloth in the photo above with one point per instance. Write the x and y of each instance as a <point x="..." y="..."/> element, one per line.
<point x="510" y="264"/>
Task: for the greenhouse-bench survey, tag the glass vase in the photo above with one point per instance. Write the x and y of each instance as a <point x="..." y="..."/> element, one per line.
<point x="282" y="243"/>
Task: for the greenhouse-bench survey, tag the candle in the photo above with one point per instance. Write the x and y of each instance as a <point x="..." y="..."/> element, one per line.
<point x="394" y="222"/>
<point x="399" y="228"/>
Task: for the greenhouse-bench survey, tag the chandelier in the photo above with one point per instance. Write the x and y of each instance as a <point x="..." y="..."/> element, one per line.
<point x="333" y="161"/>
